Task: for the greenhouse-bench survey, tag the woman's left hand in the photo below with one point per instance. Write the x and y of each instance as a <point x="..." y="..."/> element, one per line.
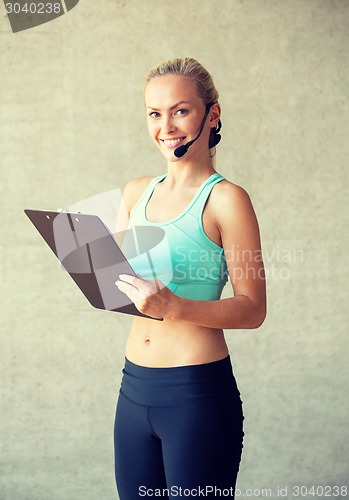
<point x="151" y="297"/>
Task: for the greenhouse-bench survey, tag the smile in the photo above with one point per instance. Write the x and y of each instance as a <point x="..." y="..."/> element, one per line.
<point x="172" y="142"/>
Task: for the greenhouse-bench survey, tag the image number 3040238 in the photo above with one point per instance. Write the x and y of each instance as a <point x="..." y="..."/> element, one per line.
<point x="24" y="15"/>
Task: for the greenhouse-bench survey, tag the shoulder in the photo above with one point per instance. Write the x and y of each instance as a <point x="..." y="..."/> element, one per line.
<point x="231" y="204"/>
<point x="227" y="194"/>
<point x="134" y="189"/>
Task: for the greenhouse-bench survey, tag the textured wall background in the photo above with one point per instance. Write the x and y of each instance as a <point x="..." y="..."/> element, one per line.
<point x="72" y="125"/>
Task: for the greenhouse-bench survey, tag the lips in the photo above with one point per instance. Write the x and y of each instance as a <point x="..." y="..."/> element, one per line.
<point x="172" y="142"/>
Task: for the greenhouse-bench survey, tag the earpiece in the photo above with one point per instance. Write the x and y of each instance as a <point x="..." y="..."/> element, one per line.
<point x="215" y="136"/>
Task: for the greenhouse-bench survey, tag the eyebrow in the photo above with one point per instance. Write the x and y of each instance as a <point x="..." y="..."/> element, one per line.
<point x="172" y="107"/>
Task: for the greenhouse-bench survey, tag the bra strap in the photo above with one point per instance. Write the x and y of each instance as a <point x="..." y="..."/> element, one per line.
<point x="198" y="206"/>
<point x="147" y="193"/>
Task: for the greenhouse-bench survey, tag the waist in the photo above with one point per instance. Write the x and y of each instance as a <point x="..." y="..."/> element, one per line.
<point x="172" y="343"/>
<point x="180" y="385"/>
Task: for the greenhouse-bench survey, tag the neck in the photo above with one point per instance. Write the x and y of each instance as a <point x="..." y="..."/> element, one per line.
<point x="188" y="174"/>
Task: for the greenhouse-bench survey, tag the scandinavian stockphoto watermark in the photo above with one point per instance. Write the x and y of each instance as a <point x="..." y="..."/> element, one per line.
<point x="24" y="15"/>
<point x="235" y="263"/>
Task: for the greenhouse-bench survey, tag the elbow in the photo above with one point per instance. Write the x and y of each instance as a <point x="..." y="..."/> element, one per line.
<point x="252" y="322"/>
<point x="252" y="317"/>
<point x="258" y="323"/>
<point x="258" y="317"/>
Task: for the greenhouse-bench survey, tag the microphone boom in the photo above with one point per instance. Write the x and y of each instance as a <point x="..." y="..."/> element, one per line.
<point x="181" y="150"/>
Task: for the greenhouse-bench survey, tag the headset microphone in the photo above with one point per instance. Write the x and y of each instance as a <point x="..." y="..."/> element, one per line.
<point x="181" y="150"/>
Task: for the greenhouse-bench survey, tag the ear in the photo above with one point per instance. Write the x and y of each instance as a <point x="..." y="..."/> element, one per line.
<point x="215" y="114"/>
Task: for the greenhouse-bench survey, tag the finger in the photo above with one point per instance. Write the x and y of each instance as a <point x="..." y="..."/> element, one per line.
<point x="144" y="286"/>
<point x="127" y="289"/>
<point x="131" y="281"/>
<point x="131" y="292"/>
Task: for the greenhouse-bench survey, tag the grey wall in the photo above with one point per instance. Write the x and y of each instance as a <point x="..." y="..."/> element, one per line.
<point x="72" y="125"/>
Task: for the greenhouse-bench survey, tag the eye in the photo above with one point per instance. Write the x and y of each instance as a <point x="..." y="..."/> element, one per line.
<point x="181" y="112"/>
<point x="154" y="114"/>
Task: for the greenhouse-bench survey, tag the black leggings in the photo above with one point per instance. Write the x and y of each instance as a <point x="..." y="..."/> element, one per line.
<point x="178" y="431"/>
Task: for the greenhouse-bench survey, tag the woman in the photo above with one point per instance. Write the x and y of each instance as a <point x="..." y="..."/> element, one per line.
<point x="179" y="421"/>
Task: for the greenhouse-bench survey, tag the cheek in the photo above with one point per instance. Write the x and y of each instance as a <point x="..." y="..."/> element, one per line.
<point x="150" y="124"/>
<point x="153" y="129"/>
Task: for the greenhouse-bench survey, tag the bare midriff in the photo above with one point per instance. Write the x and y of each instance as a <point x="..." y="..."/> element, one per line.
<point x="173" y="343"/>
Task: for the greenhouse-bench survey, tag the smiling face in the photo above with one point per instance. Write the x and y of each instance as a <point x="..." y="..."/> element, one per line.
<point x="174" y="115"/>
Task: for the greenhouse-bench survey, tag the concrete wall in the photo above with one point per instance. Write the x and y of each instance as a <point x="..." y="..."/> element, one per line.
<point x="72" y="125"/>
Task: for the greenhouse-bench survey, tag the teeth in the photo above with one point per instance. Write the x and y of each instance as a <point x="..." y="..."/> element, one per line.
<point x="171" y="142"/>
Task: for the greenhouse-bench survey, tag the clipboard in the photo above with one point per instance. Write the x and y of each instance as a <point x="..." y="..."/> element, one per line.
<point x="88" y="251"/>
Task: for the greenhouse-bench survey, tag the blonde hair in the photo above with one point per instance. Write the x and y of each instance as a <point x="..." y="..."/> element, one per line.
<point x="193" y="71"/>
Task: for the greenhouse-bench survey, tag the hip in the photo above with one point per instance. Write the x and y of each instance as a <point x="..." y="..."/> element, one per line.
<point x="200" y="384"/>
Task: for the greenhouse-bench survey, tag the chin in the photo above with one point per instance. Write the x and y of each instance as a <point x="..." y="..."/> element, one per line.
<point x="169" y="156"/>
<point x="173" y="158"/>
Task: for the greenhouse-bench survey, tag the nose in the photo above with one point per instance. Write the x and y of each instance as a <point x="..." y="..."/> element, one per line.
<point x="167" y="124"/>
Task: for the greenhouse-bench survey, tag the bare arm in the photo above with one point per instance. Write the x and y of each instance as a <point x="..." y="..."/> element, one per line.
<point x="241" y="242"/>
<point x="239" y="231"/>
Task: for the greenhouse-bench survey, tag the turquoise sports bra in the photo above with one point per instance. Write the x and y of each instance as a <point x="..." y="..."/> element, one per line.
<point x="189" y="263"/>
